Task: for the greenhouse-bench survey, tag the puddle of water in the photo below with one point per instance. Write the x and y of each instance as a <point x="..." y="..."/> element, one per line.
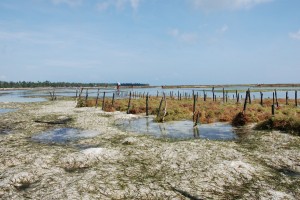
<point x="5" y="131"/>
<point x="63" y="135"/>
<point x="178" y="129"/>
<point x="6" y="110"/>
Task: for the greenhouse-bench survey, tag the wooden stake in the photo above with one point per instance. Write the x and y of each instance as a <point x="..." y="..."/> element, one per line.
<point x="194" y="107"/>
<point x="129" y="103"/>
<point x="103" y="101"/>
<point x="113" y="100"/>
<point x="147" y="105"/>
<point x="98" y="93"/>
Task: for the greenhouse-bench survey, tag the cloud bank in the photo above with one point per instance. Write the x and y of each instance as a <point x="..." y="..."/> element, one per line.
<point x="118" y="4"/>
<point x="210" y="5"/>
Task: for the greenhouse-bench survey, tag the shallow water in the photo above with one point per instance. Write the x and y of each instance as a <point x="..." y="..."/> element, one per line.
<point x="6" y="110"/>
<point x="179" y="129"/>
<point x="63" y="135"/>
<point x="20" y="96"/>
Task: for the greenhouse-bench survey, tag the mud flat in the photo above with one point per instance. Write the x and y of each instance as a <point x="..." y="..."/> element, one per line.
<point x="115" y="164"/>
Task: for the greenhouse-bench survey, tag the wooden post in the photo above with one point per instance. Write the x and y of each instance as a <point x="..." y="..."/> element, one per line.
<point x="86" y="95"/>
<point x="261" y="99"/>
<point x="238" y="98"/>
<point x="103" y="101"/>
<point x="194" y="107"/>
<point x="159" y="108"/>
<point x="129" y="103"/>
<point x="178" y="95"/>
<point x="223" y="95"/>
<point x="147" y="105"/>
<point x="276" y="98"/>
<point x="273" y="98"/>
<point x="226" y="96"/>
<point x="296" y="101"/>
<point x="196" y="121"/>
<point x="249" y="95"/>
<point x="113" y="100"/>
<point x="273" y="109"/>
<point x="245" y="102"/>
<point x="98" y="92"/>
<point x="165" y="109"/>
<point x="286" y="98"/>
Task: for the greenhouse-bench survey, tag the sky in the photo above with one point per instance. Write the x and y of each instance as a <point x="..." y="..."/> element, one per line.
<point x="160" y="42"/>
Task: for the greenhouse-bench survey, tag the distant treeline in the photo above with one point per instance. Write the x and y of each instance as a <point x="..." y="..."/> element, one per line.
<point x="30" y="84"/>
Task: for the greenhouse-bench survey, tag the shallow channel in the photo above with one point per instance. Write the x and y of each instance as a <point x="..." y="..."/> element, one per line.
<point x="178" y="129"/>
<point x="63" y="135"/>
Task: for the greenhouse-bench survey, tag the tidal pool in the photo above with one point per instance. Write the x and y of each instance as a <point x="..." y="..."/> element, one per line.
<point x="6" y="110"/>
<point x="178" y="129"/>
<point x="63" y="135"/>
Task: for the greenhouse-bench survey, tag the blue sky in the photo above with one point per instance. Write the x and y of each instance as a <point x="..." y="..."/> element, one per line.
<point x="150" y="41"/>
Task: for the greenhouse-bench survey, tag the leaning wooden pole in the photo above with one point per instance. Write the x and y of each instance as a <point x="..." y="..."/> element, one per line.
<point x="245" y="102"/>
<point x="103" y="101"/>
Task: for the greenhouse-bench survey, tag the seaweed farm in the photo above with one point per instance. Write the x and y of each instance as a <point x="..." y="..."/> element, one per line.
<point x="128" y="144"/>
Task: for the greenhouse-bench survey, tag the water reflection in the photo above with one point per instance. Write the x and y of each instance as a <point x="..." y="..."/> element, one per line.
<point x="179" y="129"/>
<point x="63" y="135"/>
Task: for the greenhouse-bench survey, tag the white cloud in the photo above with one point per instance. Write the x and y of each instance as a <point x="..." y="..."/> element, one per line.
<point x="135" y="4"/>
<point x="295" y="36"/>
<point x="209" y="5"/>
<point x="224" y="29"/>
<point x="32" y="38"/>
<point x="70" y="3"/>
<point x="118" y="4"/>
<point x="184" y="37"/>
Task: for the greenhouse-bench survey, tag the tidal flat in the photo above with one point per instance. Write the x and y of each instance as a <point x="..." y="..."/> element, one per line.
<point x="112" y="163"/>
